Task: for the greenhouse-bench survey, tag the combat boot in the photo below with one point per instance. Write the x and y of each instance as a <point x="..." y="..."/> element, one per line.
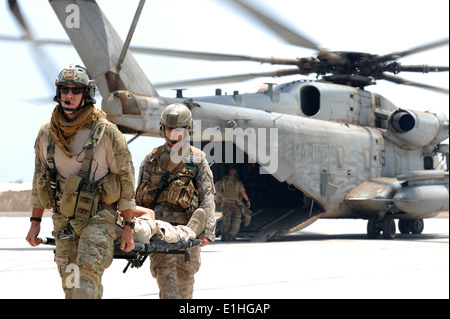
<point x="198" y="221"/>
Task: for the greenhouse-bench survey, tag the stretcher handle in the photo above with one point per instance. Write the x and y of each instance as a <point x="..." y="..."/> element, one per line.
<point x="137" y="247"/>
<point x="160" y="245"/>
<point x="46" y="240"/>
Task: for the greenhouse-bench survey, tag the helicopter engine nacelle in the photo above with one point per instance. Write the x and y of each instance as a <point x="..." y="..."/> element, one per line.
<point x="134" y="113"/>
<point x="413" y="129"/>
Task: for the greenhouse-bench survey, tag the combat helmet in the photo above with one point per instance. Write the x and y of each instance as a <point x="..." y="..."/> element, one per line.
<point x="80" y="76"/>
<point x="176" y="116"/>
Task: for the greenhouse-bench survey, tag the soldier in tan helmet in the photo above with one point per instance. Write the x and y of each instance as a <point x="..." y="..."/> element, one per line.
<point x="85" y="174"/>
<point x="175" y="181"/>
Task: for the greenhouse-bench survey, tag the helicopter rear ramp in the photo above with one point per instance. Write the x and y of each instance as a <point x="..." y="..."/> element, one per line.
<point x="269" y="224"/>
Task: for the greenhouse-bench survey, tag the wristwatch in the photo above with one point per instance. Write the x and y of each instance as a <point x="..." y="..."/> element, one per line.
<point x="131" y="224"/>
<point x="36" y="219"/>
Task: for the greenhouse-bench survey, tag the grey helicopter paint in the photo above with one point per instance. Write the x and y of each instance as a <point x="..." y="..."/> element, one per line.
<point x="345" y="152"/>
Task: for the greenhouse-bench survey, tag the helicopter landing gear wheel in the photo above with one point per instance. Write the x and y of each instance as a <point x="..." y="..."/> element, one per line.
<point x="377" y="225"/>
<point x="374" y="227"/>
<point x="388" y="228"/>
<point x="404" y="226"/>
<point x="416" y="226"/>
<point x="408" y="226"/>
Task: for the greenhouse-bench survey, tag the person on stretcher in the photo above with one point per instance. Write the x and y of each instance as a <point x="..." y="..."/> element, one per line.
<point x="145" y="226"/>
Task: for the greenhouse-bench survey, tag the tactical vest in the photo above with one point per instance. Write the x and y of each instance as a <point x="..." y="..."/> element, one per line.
<point x="229" y="188"/>
<point x="171" y="182"/>
<point x="81" y="196"/>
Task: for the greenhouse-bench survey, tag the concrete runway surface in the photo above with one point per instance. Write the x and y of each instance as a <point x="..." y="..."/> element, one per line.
<point x="331" y="259"/>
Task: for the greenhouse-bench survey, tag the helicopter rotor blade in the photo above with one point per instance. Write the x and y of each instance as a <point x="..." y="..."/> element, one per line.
<point x="211" y="56"/>
<point x="423" y="68"/>
<point x="421" y="48"/>
<point x="284" y="32"/>
<point x="42" y="60"/>
<point x="398" y="80"/>
<point x="226" y="79"/>
<point x="15" y="10"/>
<point x="12" y="38"/>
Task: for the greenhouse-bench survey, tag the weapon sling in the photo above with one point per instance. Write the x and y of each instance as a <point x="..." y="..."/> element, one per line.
<point x="161" y="185"/>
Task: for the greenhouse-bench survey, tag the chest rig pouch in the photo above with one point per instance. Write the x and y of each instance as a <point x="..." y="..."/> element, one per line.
<point x="182" y="190"/>
<point x="80" y="199"/>
<point x="170" y="182"/>
<point x="46" y="183"/>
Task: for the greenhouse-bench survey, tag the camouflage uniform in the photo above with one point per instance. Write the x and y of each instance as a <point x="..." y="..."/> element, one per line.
<point x="229" y="189"/>
<point x="145" y="228"/>
<point x="91" y="248"/>
<point x="175" y="277"/>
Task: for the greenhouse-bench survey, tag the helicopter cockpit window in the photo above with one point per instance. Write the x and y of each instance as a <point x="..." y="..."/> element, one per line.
<point x="310" y="100"/>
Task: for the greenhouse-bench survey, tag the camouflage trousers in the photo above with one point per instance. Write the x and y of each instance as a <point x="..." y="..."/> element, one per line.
<point x="175" y="276"/>
<point x="231" y="218"/>
<point x="82" y="259"/>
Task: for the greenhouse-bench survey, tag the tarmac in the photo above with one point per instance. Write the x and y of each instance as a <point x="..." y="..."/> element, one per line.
<point x="331" y="259"/>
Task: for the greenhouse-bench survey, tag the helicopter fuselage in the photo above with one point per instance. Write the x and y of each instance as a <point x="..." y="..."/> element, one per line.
<point x="330" y="138"/>
<point x="312" y="149"/>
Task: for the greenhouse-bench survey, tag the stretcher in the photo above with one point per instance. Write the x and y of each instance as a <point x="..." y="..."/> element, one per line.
<point x="137" y="256"/>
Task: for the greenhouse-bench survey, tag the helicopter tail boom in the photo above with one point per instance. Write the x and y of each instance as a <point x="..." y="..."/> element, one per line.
<point x="100" y="48"/>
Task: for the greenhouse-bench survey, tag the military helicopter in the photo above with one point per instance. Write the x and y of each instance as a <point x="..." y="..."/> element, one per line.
<point x="305" y="149"/>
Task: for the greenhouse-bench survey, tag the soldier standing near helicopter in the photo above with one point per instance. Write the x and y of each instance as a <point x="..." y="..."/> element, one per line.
<point x="175" y="181"/>
<point x="230" y="191"/>
<point x="83" y="171"/>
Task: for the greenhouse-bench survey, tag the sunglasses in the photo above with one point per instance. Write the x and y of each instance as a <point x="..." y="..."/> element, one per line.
<point x="177" y="129"/>
<point x="75" y="90"/>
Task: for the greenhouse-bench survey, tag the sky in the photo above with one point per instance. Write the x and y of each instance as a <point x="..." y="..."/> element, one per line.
<point x="379" y="27"/>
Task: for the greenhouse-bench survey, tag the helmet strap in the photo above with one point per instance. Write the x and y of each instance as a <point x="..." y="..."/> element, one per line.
<point x="69" y="110"/>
